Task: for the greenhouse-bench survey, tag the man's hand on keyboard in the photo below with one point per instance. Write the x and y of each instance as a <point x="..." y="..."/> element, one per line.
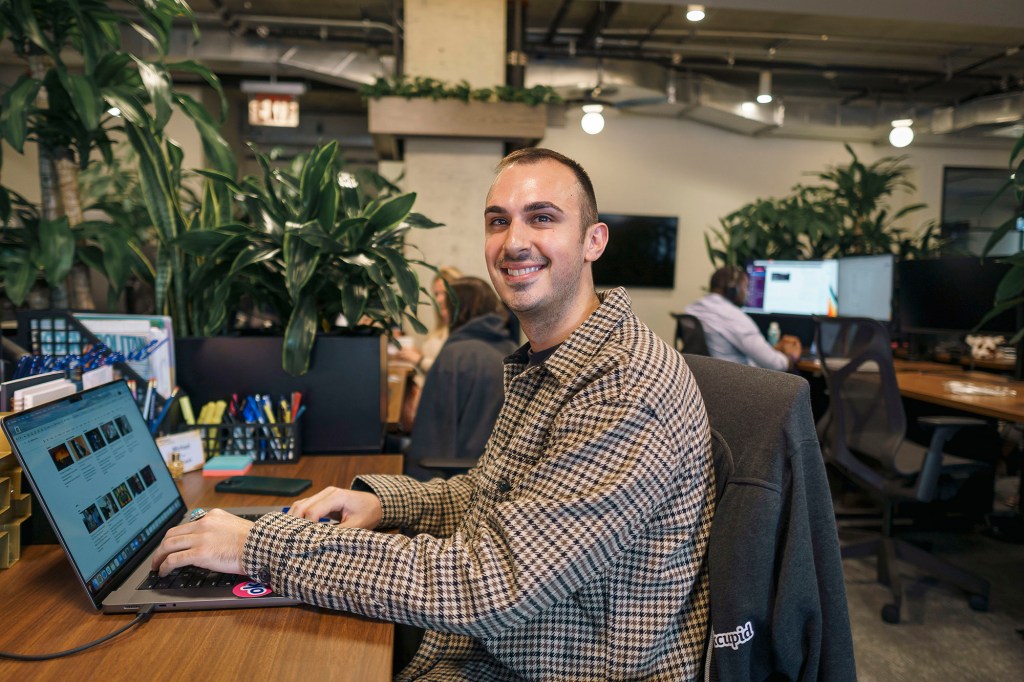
<point x="356" y="509"/>
<point x="215" y="542"/>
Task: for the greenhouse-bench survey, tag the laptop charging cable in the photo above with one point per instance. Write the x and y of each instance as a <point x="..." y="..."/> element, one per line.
<point x="141" y="617"/>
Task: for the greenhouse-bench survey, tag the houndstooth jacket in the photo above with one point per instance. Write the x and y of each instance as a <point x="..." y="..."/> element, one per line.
<point x="574" y="551"/>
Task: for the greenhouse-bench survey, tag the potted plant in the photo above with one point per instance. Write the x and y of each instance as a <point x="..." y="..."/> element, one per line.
<point x="846" y="214"/>
<point x="316" y="242"/>
<point x="66" y="110"/>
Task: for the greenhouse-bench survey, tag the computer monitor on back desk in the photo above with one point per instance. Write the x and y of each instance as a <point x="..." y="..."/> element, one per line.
<point x="865" y="287"/>
<point x="951" y="297"/>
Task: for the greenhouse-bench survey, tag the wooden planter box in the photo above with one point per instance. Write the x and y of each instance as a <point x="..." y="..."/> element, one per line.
<point x="394" y="118"/>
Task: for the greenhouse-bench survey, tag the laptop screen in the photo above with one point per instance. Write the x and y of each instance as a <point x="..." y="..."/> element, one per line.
<point x="100" y="478"/>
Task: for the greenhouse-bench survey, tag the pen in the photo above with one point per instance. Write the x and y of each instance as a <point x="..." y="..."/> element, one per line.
<point x="163" y="413"/>
<point x="147" y="406"/>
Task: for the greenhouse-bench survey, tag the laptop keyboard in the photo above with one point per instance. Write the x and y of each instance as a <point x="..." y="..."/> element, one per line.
<point x="190" y="577"/>
<point x="194" y="577"/>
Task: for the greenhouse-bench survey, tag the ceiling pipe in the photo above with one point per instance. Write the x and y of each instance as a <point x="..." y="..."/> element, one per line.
<point x="556" y="22"/>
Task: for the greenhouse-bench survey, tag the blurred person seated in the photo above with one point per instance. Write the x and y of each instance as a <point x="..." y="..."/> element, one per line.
<point x="423" y="356"/>
<point x="731" y="334"/>
<point x="464" y="390"/>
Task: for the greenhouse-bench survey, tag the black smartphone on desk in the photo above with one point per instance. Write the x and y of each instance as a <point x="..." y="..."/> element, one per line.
<point x="263" y="485"/>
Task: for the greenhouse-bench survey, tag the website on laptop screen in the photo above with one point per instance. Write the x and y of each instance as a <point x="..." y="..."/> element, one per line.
<point x="101" y="476"/>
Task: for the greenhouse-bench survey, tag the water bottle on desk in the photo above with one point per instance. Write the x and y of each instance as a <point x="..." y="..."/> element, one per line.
<point x="774" y="333"/>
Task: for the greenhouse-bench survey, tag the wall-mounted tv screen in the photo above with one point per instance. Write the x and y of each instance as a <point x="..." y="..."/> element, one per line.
<point x="641" y="252"/>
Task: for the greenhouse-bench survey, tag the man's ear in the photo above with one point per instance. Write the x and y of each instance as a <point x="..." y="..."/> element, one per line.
<point x="597" y="240"/>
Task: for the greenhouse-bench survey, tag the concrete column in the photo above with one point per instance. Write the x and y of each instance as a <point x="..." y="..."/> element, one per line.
<point x="453" y="40"/>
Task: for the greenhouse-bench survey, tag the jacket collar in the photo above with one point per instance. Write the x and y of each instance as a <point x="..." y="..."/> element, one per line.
<point x="583" y="344"/>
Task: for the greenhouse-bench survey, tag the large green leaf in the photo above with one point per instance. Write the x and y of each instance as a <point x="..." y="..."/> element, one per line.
<point x="16" y="103"/>
<point x="24" y="10"/>
<point x="57" y="249"/>
<point x="353" y="303"/>
<point x="155" y="180"/>
<point x="391" y="212"/>
<point x="250" y="256"/>
<point x="158" y="86"/>
<point x="301" y="259"/>
<point x="19" y="276"/>
<point x="127" y="100"/>
<point x="85" y="97"/>
<point x="299" y="336"/>
<point x="197" y="69"/>
<point x="218" y="152"/>
<point x="408" y="283"/>
<point x="203" y="242"/>
<point x="314" y="234"/>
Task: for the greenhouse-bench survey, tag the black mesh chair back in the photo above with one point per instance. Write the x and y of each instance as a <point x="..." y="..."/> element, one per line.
<point x="690" y="335"/>
<point x="864" y="436"/>
<point x="865" y="422"/>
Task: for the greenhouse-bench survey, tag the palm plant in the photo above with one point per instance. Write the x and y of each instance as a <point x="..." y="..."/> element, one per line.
<point x="845" y="215"/>
<point x="64" y="109"/>
<point x="316" y="242"/>
<point x="1010" y="293"/>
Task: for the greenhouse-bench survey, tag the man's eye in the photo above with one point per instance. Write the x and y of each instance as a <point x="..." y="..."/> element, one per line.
<point x="543" y="218"/>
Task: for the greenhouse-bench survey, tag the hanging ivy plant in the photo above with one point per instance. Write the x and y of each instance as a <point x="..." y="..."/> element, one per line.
<point x="432" y="88"/>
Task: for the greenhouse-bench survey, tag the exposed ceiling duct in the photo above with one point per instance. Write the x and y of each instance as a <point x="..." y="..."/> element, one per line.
<point x="649" y="89"/>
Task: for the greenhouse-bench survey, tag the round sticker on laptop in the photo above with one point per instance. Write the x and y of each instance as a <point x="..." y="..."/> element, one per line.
<point x="250" y="589"/>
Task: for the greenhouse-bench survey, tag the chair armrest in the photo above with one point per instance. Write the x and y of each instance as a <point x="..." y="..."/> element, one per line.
<point x="931" y="467"/>
<point x="950" y="421"/>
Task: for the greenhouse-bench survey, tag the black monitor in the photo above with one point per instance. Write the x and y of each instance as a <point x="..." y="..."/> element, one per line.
<point x="951" y="295"/>
<point x="865" y="286"/>
<point x="641" y="252"/>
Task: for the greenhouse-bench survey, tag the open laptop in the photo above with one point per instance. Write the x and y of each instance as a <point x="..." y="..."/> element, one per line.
<point x="103" y="484"/>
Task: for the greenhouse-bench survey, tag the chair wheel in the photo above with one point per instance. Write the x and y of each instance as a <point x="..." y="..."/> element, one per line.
<point x="891" y="614"/>
<point x="978" y="602"/>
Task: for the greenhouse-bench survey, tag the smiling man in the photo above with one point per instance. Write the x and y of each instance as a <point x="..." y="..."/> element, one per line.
<point x="575" y="550"/>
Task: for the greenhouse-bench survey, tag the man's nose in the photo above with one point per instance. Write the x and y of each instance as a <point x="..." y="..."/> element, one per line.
<point x="516" y="238"/>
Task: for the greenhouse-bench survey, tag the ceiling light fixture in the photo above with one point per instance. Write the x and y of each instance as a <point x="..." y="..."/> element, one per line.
<point x="764" y="88"/>
<point x="593" y="120"/>
<point x="902" y="133"/>
<point x="695" y="13"/>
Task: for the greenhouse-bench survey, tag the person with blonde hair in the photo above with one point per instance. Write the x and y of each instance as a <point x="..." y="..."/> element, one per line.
<point x="423" y="357"/>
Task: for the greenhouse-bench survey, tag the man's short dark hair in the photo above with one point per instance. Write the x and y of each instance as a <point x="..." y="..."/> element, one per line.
<point x="530" y="155"/>
<point x="725" y="279"/>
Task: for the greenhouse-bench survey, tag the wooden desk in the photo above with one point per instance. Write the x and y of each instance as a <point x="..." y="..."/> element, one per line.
<point x="42" y="610"/>
<point x="926" y="381"/>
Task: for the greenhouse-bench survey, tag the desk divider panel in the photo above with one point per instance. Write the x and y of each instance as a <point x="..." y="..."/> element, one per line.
<point x="344" y="391"/>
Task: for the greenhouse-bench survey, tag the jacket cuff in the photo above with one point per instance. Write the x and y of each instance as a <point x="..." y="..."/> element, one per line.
<point x="397" y="495"/>
<point x="265" y="547"/>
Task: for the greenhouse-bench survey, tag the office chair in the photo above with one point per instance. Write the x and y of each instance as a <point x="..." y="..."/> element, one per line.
<point x="864" y="437"/>
<point x="689" y="335"/>
<point x="776" y="578"/>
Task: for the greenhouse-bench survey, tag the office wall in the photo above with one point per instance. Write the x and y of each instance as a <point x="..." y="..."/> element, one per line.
<point x="662" y="166"/>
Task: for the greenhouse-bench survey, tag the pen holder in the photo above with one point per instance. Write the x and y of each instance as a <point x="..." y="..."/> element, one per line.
<point x="265" y="443"/>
